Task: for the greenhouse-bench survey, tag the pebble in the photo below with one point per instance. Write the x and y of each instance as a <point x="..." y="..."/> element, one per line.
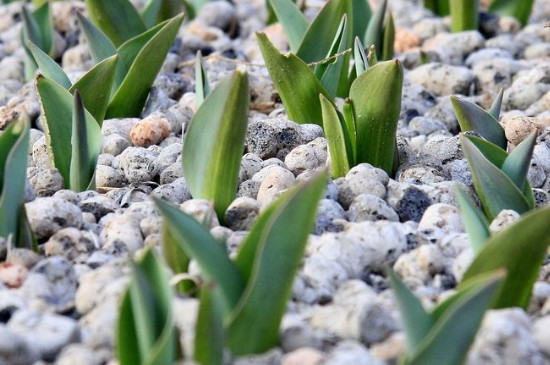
<point x="48" y="215"/>
<point x="45" y="181"/>
<point x="122" y="234"/>
<point x="271" y="137"/>
<point x="114" y="144"/>
<point x="303" y="356"/>
<point x="108" y="177"/>
<point x="368" y="207"/>
<point x="12" y="275"/>
<point x="73" y="244"/>
<point x="505" y="338"/>
<point x="275" y="182"/>
<point x="301" y="158"/>
<point x="242" y="213"/>
<point x="442" y="79"/>
<point x="15" y="349"/>
<point x="46" y="333"/>
<point x="330" y="217"/>
<point x="138" y="164"/>
<point x="149" y="131"/>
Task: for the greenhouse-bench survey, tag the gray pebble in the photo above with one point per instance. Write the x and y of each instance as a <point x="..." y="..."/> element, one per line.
<point x="176" y="192"/>
<point x="363" y="178"/>
<point x="46" y="333"/>
<point x="442" y="149"/>
<point x="122" y="234"/>
<point x="276" y="181"/>
<point x="422" y="125"/>
<point x="266" y="138"/>
<point x="138" y="164"/>
<point x="118" y="126"/>
<point x="45" y="181"/>
<point x="310" y="132"/>
<point x="108" y="177"/>
<point x="78" y="354"/>
<point x="218" y="14"/>
<point x="242" y="213"/>
<point x="487" y="54"/>
<point x="171" y="173"/>
<point x="114" y="144"/>
<point x="505" y="338"/>
<point x="521" y="96"/>
<point x="98" y="205"/>
<point x="250" y="165"/>
<point x="493" y="74"/>
<point x="169" y="155"/>
<point x="48" y="215"/>
<point x="416" y="100"/>
<point x="40" y="156"/>
<point x="368" y="207"/>
<point x="408" y="200"/>
<point x="330" y="217"/>
<point x="350" y="352"/>
<point x="442" y="79"/>
<point x="15" y="349"/>
<point x="73" y="244"/>
<point x="420" y="174"/>
<point x="249" y="188"/>
<point x="51" y="284"/>
<point x="273" y="161"/>
<point x="505" y="42"/>
<point x="202" y="210"/>
<point x="301" y="158"/>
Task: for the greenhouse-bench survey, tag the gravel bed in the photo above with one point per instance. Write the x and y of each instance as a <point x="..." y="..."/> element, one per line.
<point x="60" y="306"/>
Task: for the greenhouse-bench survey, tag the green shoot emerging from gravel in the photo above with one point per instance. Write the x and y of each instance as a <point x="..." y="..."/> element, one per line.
<point x="214" y="143"/>
<point x="243" y="301"/>
<point x="500" y="179"/>
<point x="38" y="29"/>
<point x="444" y="335"/>
<point x="14" y="145"/>
<point x="146" y="333"/>
<point x="331" y="36"/>
<point x="520" y="249"/>
<point x="473" y="118"/>
<point x="73" y="136"/>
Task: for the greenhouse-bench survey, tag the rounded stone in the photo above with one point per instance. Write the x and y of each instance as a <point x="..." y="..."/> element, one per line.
<point x="149" y="131"/>
<point x="48" y="215"/>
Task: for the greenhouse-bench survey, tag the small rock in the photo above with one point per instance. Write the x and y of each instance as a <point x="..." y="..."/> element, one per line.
<point x="12" y="275"/>
<point x="330" y="217"/>
<point x="518" y="128"/>
<point x="46" y="333"/>
<point x="441" y="79"/>
<point x="368" y="207"/>
<point x="71" y="243"/>
<point x="504" y="219"/>
<point x="301" y="158"/>
<point x="138" y="164"/>
<point x="541" y="334"/>
<point x="122" y="234"/>
<point x="78" y="354"/>
<point x="268" y="137"/>
<point x="48" y="215"/>
<point x="45" y="181"/>
<point x="276" y="180"/>
<point x="350" y="352"/>
<point x="15" y="349"/>
<point x="108" y="177"/>
<point x="242" y="213"/>
<point x="149" y="131"/>
<point x="114" y="144"/>
<point x="303" y="356"/>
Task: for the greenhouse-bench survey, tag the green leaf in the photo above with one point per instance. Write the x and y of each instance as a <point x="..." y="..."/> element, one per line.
<point x="254" y="326"/>
<point x="146" y="331"/>
<point x="456" y="326"/>
<point x="292" y="20"/>
<point x="351" y="131"/>
<point x="82" y="165"/>
<point x="95" y="87"/>
<point x="119" y="20"/>
<point x="491" y="151"/>
<point x="48" y="67"/>
<point x="14" y="145"/>
<point x="318" y="39"/>
<point x="518" y="161"/>
<point x="375" y="31"/>
<point x="389" y="38"/>
<point x="38" y="27"/>
<point x="475" y="222"/>
<point x="57" y="110"/>
<point x="175" y="257"/>
<point x="494" y="110"/>
<point x="494" y="188"/>
<point x="100" y="46"/>
<point x="464" y="15"/>
<point x="214" y="143"/>
<point x="473" y="118"/>
<point x="202" y="87"/>
<point x="520" y="249"/>
<point x="361" y="63"/>
<point x="212" y="257"/>
<point x="376" y="98"/>
<point x="332" y="73"/>
<point x="209" y="332"/>
<point x="416" y="321"/>
<point x="439" y="7"/>
<point x="336" y="140"/>
<point x="360" y="16"/>
<point x="301" y="99"/>
<point x="521" y="10"/>
<point x="130" y="97"/>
